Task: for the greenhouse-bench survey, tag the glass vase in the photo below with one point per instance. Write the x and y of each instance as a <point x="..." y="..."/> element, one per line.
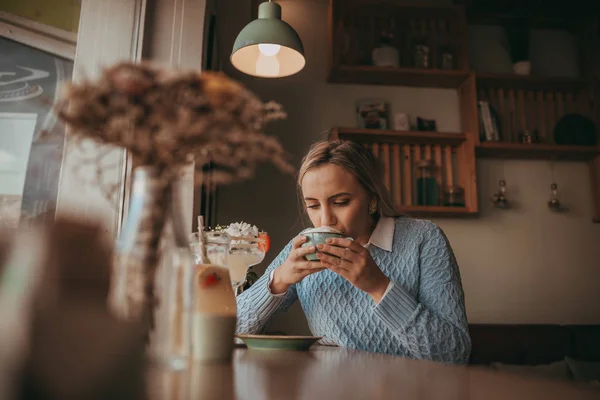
<point x="154" y="267"/>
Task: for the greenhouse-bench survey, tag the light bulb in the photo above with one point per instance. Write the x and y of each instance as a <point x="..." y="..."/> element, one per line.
<point x="267" y="66"/>
<point x="269" y="50"/>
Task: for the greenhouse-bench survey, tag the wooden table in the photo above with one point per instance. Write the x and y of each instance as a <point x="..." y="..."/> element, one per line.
<point x="336" y="373"/>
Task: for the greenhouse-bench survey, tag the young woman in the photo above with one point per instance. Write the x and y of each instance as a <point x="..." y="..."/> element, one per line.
<point x="395" y="288"/>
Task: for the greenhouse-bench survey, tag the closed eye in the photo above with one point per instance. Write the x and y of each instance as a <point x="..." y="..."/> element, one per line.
<point x="312" y="206"/>
<point x="341" y="203"/>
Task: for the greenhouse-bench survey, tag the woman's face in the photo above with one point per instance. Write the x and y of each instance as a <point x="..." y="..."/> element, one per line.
<point x="334" y="198"/>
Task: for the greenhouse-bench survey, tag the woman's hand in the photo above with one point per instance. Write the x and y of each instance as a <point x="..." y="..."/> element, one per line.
<point x="295" y="267"/>
<point x="353" y="262"/>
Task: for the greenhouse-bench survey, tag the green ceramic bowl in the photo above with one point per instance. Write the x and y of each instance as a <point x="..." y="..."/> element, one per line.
<point x="271" y="342"/>
<point x="315" y="238"/>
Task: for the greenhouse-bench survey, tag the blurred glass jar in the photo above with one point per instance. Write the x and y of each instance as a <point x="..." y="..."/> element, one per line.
<point x="454" y="196"/>
<point x="216" y="245"/>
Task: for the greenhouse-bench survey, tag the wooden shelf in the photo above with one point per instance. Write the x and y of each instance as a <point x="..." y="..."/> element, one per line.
<point x="389" y="136"/>
<point x="554" y="14"/>
<point x="520" y="102"/>
<point x="504" y="19"/>
<point x="513" y="81"/>
<point x="536" y="151"/>
<point x="432" y="211"/>
<point x="390" y="76"/>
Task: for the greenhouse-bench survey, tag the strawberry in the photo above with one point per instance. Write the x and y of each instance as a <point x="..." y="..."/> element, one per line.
<point x="265" y="245"/>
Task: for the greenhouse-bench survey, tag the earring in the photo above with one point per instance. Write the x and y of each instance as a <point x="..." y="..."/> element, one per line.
<point x="372" y="208"/>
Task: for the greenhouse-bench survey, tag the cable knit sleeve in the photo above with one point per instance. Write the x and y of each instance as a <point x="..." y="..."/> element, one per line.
<point x="432" y="326"/>
<point x="256" y="305"/>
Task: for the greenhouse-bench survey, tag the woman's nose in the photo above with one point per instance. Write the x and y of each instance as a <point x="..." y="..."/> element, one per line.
<point x="327" y="217"/>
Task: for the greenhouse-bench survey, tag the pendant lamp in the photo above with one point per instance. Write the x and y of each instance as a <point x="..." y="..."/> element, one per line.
<point x="268" y="47"/>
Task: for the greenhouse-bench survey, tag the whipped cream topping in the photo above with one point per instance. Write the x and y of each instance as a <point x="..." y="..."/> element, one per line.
<point x="242" y="229"/>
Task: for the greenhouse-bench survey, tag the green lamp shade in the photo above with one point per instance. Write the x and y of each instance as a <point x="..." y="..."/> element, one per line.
<point x="268" y="47"/>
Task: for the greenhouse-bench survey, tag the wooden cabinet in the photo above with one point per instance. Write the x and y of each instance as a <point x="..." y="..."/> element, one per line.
<point x="430" y="41"/>
<point x="526" y="106"/>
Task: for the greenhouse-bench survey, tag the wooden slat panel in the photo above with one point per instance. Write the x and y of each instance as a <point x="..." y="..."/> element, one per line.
<point x="583" y="103"/>
<point x="416" y="153"/>
<point x="375" y="149"/>
<point x="482" y="94"/>
<point x="521" y="112"/>
<point x="437" y="151"/>
<point x="427" y="152"/>
<point x="503" y="115"/>
<point x="385" y="154"/>
<point x="512" y="117"/>
<point x="550" y="111"/>
<point x="448" y="169"/>
<point x="560" y="105"/>
<point x="541" y="117"/>
<point x="569" y="106"/>
<point x="408" y="176"/>
<point x="533" y="125"/>
<point x="397" y="180"/>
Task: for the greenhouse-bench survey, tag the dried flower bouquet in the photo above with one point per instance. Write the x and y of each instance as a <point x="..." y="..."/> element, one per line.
<point x="167" y="118"/>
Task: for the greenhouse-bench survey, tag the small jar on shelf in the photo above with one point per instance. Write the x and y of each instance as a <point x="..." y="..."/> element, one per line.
<point x="427" y="187"/>
<point x="447" y="58"/>
<point x="385" y="54"/>
<point x="421" y="49"/>
<point x="454" y="196"/>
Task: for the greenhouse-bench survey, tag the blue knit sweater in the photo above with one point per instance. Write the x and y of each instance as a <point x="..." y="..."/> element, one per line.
<point x="421" y="316"/>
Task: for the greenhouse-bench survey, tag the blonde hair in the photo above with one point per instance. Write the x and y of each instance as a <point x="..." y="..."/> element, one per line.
<point x="357" y="160"/>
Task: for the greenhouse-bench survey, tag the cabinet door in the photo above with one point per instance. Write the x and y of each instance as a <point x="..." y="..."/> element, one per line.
<point x="42" y="46"/>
